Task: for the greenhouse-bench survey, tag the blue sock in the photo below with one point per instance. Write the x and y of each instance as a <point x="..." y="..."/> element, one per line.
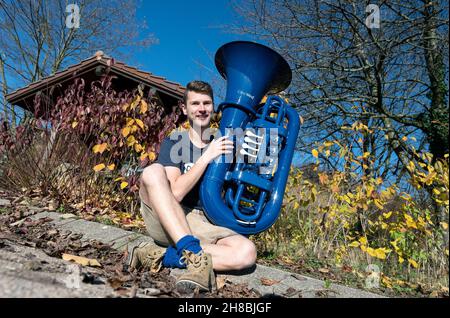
<point x="172" y="258"/>
<point x="189" y="243"/>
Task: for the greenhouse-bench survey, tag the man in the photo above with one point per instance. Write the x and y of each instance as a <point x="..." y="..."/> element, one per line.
<point x="171" y="207"/>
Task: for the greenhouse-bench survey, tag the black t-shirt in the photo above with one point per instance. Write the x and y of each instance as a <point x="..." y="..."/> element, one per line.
<point x="177" y="150"/>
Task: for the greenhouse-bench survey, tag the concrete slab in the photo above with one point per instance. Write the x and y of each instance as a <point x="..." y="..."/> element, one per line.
<point x="129" y="241"/>
<point x="283" y="283"/>
<point x="92" y="230"/>
<point x="58" y="220"/>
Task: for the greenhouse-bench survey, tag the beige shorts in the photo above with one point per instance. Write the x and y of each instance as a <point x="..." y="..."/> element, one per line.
<point x="201" y="228"/>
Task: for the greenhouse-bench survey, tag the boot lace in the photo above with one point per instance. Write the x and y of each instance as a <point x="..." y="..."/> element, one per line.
<point x="194" y="259"/>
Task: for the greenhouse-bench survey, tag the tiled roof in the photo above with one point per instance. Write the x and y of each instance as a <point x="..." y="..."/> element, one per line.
<point x="160" y="83"/>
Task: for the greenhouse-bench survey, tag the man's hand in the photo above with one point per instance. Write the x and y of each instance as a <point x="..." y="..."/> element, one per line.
<point x="217" y="147"/>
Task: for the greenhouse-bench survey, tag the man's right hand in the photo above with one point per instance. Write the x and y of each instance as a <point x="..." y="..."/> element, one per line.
<point x="217" y="147"/>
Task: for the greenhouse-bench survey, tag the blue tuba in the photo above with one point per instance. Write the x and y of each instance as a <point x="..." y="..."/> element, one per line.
<point x="245" y="193"/>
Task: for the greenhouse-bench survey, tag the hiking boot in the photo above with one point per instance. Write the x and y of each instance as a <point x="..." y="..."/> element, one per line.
<point x="199" y="273"/>
<point x="147" y="255"/>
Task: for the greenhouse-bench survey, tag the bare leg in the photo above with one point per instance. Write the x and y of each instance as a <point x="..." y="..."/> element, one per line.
<point x="156" y="192"/>
<point x="232" y="253"/>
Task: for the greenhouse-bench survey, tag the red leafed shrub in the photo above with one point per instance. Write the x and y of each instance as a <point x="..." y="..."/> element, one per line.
<point x="86" y="149"/>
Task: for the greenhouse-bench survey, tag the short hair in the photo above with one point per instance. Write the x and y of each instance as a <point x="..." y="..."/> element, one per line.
<point x="198" y="87"/>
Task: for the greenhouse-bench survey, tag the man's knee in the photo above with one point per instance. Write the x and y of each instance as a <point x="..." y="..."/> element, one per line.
<point x="249" y="253"/>
<point x="245" y="253"/>
<point x="153" y="175"/>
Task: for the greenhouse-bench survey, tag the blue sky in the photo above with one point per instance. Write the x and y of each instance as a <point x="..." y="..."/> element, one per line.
<point x="189" y="33"/>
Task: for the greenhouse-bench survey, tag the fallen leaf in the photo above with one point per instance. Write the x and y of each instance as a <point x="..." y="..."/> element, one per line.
<point x="68" y="216"/>
<point x="81" y="260"/>
<point x="324" y="270"/>
<point x="221" y="280"/>
<point x="268" y="282"/>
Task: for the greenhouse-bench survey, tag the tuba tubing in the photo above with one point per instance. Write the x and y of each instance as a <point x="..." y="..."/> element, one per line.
<point x="211" y="188"/>
<point x="252" y="71"/>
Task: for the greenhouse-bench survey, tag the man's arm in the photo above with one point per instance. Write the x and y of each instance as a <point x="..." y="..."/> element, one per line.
<point x="181" y="184"/>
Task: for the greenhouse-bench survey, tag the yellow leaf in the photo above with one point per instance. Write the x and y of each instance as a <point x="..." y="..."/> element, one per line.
<point x="411" y="167"/>
<point x="130" y="121"/>
<point x="131" y="141"/>
<point x="126" y="131"/>
<point x="118" y="179"/>
<point x="328" y="143"/>
<point x="74" y="124"/>
<point x="296" y="205"/>
<point x="378" y="204"/>
<point x="354" y="244"/>
<point x="99" y="167"/>
<point x="413" y="262"/>
<point x="371" y="252"/>
<point x="381" y="253"/>
<point x="140" y="123"/>
<point x="138" y="147"/>
<point x="143" y="156"/>
<point x="123" y="185"/>
<point x="151" y="156"/>
<point x="144" y="106"/>
<point x="444" y="225"/>
<point x="315" y="153"/>
<point x="401" y="259"/>
<point x="387" y="215"/>
<point x="100" y="148"/>
<point x="404" y="138"/>
<point x="363" y="240"/>
<point x="386" y="281"/>
<point x="410" y="221"/>
<point x="81" y="260"/>
<point x="135" y="102"/>
<point x="111" y="166"/>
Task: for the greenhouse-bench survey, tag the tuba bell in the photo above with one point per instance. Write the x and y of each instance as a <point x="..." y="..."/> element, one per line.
<point x="245" y="193"/>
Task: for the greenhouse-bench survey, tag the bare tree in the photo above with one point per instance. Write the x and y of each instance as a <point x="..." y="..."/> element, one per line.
<point x="40" y="37"/>
<point x="393" y="78"/>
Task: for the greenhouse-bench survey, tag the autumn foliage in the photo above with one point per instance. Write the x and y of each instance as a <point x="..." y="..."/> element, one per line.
<point x="87" y="149"/>
<point x="345" y="219"/>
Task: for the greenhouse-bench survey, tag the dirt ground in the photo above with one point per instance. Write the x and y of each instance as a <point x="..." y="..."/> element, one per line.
<point x="21" y="238"/>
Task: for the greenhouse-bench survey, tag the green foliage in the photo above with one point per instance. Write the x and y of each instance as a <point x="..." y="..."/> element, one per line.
<point x="349" y="219"/>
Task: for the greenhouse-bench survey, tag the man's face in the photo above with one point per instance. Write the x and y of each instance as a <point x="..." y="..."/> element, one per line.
<point x="198" y="109"/>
